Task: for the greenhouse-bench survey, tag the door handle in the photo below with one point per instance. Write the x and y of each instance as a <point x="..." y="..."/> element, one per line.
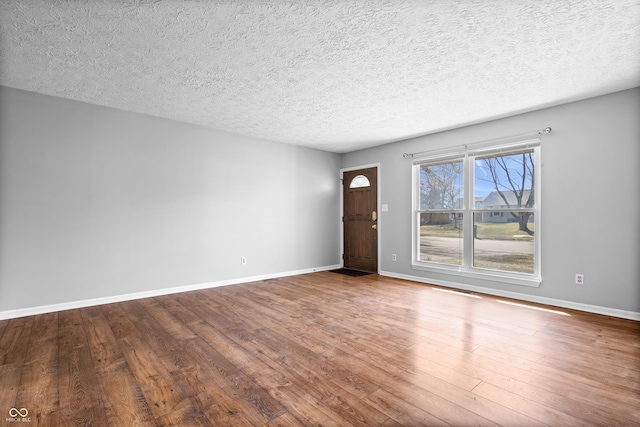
<point x="374" y="226"/>
<point x="374" y="216"/>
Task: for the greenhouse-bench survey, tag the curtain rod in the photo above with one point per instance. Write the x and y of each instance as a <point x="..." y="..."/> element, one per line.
<point x="539" y="132"/>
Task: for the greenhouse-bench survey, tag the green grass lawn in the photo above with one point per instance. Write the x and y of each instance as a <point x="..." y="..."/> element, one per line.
<point x="506" y="231"/>
<point x="446" y="230"/>
<point x="486" y="231"/>
<point x="521" y="263"/>
<point x="516" y="262"/>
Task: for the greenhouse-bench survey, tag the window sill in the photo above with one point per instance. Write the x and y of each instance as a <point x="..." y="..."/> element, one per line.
<point x="495" y="276"/>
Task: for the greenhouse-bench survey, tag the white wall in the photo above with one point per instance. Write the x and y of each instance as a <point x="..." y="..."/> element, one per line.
<point x="97" y="202"/>
<point x="590" y="203"/>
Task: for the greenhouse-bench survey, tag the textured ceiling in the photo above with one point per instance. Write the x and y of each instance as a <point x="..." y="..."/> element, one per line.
<point x="334" y="75"/>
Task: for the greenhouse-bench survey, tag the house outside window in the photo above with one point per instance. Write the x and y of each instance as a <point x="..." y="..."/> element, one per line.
<point x="477" y="212"/>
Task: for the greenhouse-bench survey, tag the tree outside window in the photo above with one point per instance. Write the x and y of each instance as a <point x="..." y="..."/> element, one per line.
<point x="500" y="211"/>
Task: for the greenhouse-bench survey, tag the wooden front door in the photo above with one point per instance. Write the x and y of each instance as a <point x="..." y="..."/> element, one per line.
<point x="360" y="218"/>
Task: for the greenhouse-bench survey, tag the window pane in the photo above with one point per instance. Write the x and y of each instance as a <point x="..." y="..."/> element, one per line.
<point x="359" y="181"/>
<point x="504" y="242"/>
<point x="441" y="186"/>
<point x="441" y="237"/>
<point x="505" y="181"/>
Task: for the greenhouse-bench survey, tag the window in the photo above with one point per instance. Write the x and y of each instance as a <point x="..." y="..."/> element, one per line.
<point x="476" y="212"/>
<point x="441" y="214"/>
<point x="359" y="181"/>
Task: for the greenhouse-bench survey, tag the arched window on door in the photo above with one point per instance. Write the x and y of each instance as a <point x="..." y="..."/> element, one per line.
<point x="359" y="181"/>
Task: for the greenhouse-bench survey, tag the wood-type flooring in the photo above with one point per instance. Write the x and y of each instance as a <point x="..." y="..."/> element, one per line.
<point x="320" y="349"/>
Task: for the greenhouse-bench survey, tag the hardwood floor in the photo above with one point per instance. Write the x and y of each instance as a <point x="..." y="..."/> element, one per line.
<point x="321" y="349"/>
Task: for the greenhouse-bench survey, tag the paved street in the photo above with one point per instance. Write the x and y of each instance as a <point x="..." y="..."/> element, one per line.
<point x="442" y="248"/>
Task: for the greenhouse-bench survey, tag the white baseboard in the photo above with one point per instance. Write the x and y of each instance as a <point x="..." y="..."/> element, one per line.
<point x="30" y="311"/>
<point x="632" y="315"/>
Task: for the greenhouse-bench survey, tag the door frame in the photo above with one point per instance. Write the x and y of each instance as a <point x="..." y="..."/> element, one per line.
<point x="341" y="224"/>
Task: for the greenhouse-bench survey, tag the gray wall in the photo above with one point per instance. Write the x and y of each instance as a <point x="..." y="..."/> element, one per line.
<point x="590" y="202"/>
<point x="96" y="202"/>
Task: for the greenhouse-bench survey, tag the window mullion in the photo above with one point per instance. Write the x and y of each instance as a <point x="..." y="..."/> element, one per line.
<point x="468" y="213"/>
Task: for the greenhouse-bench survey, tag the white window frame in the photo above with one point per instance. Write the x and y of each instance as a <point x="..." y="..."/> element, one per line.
<point x="467" y="154"/>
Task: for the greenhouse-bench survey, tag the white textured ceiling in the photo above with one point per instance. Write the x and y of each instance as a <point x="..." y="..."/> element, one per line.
<point x="334" y="75"/>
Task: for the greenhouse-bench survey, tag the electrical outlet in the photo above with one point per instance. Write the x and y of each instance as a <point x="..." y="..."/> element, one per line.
<point x="243" y="260"/>
<point x="579" y="279"/>
<point x="394" y="257"/>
